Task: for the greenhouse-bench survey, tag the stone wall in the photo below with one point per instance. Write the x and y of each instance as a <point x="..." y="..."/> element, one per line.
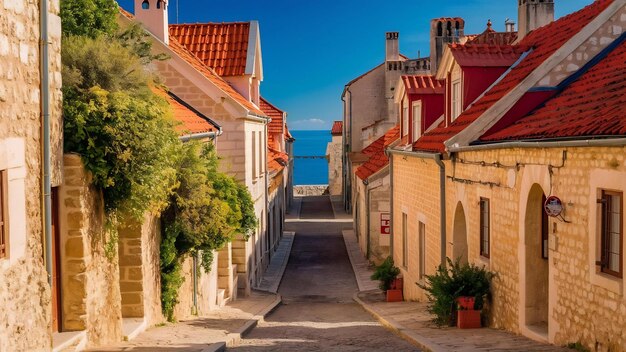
<point x="584" y="305"/>
<point x="314" y="190"/>
<point x="24" y="291"/>
<point x="206" y="290"/>
<point x="335" y="170"/>
<point x="90" y="274"/>
<point x="416" y="194"/>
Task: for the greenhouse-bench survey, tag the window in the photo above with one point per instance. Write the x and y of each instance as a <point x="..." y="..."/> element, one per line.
<point x="484" y="227"/>
<point x="4" y="226"/>
<point x="254" y="157"/>
<point x="422" y="240"/>
<point x="405" y="118"/>
<point x="417" y="120"/>
<point x="145" y="5"/>
<point x="159" y="4"/>
<point x="611" y="234"/>
<point x="456" y="99"/>
<point x="405" y="241"/>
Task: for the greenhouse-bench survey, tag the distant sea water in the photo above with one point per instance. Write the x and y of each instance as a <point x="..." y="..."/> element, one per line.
<point x="310" y="171"/>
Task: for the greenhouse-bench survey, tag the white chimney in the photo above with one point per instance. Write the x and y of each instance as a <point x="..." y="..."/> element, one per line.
<point x="509" y="25"/>
<point x="534" y="14"/>
<point x="392" y="47"/>
<point x="153" y="15"/>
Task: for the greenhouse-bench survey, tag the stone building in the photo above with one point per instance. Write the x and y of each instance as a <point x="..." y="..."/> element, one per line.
<point x="547" y="127"/>
<point x="334" y="155"/>
<point x="30" y="101"/>
<point x="223" y="84"/>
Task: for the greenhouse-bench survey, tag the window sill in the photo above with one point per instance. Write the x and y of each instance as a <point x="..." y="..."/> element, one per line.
<point x="607" y="282"/>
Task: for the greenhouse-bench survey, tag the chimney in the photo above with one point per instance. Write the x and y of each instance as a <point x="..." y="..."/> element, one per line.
<point x="509" y="25"/>
<point x="153" y="15"/>
<point x="392" y="48"/>
<point x="534" y="14"/>
<point x="444" y="31"/>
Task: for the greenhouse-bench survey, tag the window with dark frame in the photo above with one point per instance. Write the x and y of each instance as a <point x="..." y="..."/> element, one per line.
<point x="484" y="227"/>
<point x="405" y="241"/>
<point x="422" y="239"/>
<point x="611" y="233"/>
<point x="4" y="228"/>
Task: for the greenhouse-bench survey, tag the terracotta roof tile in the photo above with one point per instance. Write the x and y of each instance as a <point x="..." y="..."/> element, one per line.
<point x="337" y="129"/>
<point x="491" y="37"/>
<point x="278" y="122"/>
<point x="221" y="46"/>
<point x="544" y="41"/>
<point x="592" y="106"/>
<point x="486" y="55"/>
<point x="191" y="120"/>
<point x="276" y="160"/>
<point x="206" y="71"/>
<point x="376" y="152"/>
<point x="422" y="84"/>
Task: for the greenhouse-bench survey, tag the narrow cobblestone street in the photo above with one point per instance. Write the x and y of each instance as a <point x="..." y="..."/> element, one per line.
<point x="318" y="313"/>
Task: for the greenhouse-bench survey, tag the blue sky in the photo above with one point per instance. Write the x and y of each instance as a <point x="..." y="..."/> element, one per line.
<point x="311" y="49"/>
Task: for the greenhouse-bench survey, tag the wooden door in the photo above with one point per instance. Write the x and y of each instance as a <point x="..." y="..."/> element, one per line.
<point x="56" y="264"/>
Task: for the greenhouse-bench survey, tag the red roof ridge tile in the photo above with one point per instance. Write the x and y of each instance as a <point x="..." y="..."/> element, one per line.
<point x="337" y="129"/>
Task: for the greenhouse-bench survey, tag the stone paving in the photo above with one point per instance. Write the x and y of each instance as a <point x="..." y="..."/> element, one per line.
<point x="412" y="321"/>
<point x="276" y="269"/>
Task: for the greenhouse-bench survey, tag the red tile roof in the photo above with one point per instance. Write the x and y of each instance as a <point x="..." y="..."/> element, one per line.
<point x="221" y="46"/>
<point x="376" y="152"/>
<point x="278" y="122"/>
<point x="485" y="55"/>
<point x="491" y="37"/>
<point x="206" y="71"/>
<point x="191" y="120"/>
<point x="276" y="160"/>
<point x="592" y="106"/>
<point x="422" y="85"/>
<point x="544" y="41"/>
<point x="337" y="129"/>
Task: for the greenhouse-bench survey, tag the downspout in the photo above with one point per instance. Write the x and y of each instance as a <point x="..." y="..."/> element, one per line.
<point x="267" y="198"/>
<point x="442" y="206"/>
<point x="45" y="112"/>
<point x="195" y="284"/>
<point x="391" y="205"/>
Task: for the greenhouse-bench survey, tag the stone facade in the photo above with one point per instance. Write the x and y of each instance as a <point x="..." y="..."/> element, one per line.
<point x="514" y="181"/>
<point x="334" y="154"/>
<point x="90" y="292"/>
<point x="24" y="292"/>
<point x="373" y="201"/>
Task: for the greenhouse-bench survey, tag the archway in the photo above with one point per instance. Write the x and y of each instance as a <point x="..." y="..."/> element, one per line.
<point x="459" y="235"/>
<point x="537" y="284"/>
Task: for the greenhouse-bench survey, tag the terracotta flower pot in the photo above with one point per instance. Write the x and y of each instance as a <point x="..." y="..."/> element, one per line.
<point x="466" y="303"/>
<point x="468" y="319"/>
<point x="397" y="284"/>
<point x="394" y="295"/>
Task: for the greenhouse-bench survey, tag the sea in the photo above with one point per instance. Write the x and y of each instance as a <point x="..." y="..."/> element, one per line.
<point x="307" y="170"/>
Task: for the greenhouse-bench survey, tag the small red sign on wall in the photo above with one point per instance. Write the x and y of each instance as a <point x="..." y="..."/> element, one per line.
<point x="385" y="223"/>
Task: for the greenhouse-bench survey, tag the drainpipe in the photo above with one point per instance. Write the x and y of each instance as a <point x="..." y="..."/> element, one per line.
<point x="267" y="198"/>
<point x="45" y="113"/>
<point x="195" y="284"/>
<point x="391" y="206"/>
<point x="442" y="193"/>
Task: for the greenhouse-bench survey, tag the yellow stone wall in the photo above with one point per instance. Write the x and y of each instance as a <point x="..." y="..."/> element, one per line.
<point x="415" y="193"/>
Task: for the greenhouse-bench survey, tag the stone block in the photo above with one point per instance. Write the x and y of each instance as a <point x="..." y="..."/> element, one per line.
<point x="130" y="260"/>
<point x="74" y="247"/>
<point x="131" y="286"/>
<point x="131" y="298"/>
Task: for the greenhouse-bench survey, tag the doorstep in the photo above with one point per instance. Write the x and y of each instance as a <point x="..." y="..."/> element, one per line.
<point x="131" y="327"/>
<point x="69" y="340"/>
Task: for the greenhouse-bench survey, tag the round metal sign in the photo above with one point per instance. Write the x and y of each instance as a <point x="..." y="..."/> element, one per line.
<point x="553" y="206"/>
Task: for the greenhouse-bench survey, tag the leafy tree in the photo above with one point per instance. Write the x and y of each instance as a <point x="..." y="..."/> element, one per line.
<point x="90" y="18"/>
<point x="122" y="130"/>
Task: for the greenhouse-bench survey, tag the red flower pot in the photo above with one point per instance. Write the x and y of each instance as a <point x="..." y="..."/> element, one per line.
<point x="468" y="319"/>
<point x="466" y="303"/>
<point x="397" y="284"/>
<point x="394" y="295"/>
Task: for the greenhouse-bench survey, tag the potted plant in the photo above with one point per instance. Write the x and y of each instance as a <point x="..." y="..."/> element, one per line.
<point x="387" y="273"/>
<point x="457" y="294"/>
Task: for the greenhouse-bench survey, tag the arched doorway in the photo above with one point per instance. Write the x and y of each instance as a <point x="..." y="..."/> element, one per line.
<point x="459" y="235"/>
<point x="537" y="284"/>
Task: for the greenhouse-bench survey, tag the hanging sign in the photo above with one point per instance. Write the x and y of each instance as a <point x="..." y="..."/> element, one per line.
<point x="385" y="223"/>
<point x="553" y="206"/>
